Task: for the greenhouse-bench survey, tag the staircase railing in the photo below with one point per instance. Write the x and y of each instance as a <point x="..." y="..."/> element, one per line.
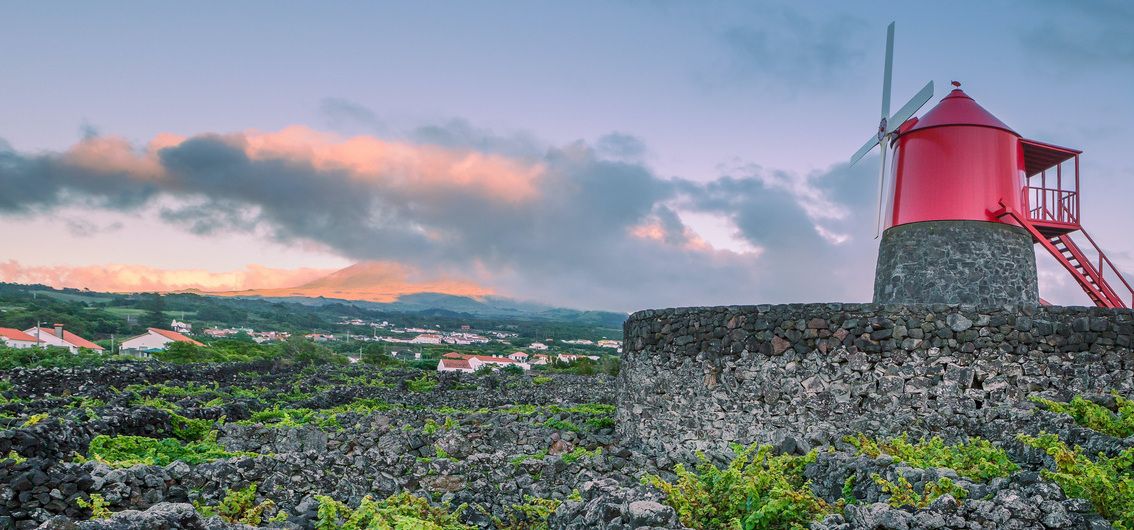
<point x="1104" y="264"/>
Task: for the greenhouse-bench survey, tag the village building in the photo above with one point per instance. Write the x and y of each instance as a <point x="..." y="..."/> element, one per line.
<point x="455" y="361"/>
<point x="519" y="357"/>
<point x="455" y="365"/>
<point x="426" y="338"/>
<point x="155" y="339"/>
<point x="537" y="346"/>
<point x="539" y="359"/>
<point x="14" y="338"/>
<point x="570" y="358"/>
<point x="61" y="338"/>
<point x="181" y="327"/>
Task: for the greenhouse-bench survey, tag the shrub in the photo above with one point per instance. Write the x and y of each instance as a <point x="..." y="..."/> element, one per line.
<point x="1094" y="416"/>
<point x="239" y="506"/>
<point x="541" y="380"/>
<point x="189" y="429"/>
<point x="756" y="490"/>
<point x="126" y="451"/>
<point x="1107" y="482"/>
<point x="425" y="383"/>
<point x="34" y="419"/>
<point x="531" y="515"/>
<point x="400" y="511"/>
<point x="561" y="425"/>
<point x="15" y="457"/>
<point x="580" y="452"/>
<point x="976" y="459"/>
<point x="97" y="505"/>
<point x="902" y="494"/>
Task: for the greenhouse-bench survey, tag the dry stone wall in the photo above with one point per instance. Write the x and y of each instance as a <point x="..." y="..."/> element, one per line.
<point x="803" y="375"/>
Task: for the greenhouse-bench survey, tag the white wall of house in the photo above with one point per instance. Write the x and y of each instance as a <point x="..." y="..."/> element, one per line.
<point x="442" y="368"/>
<point x="149" y="341"/>
<point x="49" y="339"/>
<point x="19" y="344"/>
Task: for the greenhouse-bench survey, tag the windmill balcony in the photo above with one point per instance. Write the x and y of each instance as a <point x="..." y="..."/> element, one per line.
<point x="1051" y="192"/>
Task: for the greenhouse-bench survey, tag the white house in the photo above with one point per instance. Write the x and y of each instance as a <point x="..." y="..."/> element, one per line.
<point x="519" y="357"/>
<point x="537" y="346"/>
<point x="539" y="359"/>
<point x="14" y="338"/>
<point x="156" y="339"/>
<point x="569" y="358"/>
<point x="455" y="365"/>
<point x="61" y="338"/>
<point x="456" y="362"/>
<point x="181" y="327"/>
<point x="426" y="338"/>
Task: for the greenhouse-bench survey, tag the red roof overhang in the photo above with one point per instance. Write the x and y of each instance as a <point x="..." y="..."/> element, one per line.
<point x="1040" y="156"/>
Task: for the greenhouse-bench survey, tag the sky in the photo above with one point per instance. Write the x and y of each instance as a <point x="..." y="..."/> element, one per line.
<point x="600" y="155"/>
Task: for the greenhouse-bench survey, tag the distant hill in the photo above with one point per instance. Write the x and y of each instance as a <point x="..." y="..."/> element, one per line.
<point x="447" y="305"/>
<point x="374" y="286"/>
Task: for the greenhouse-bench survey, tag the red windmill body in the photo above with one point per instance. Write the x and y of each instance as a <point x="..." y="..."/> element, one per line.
<point x="969" y="199"/>
<point x="959" y="162"/>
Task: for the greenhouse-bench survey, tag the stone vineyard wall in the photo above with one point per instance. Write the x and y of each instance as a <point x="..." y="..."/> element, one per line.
<point x="803" y="375"/>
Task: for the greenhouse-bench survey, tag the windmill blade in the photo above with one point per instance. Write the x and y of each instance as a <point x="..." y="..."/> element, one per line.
<point x="881" y="191"/>
<point x="910" y="108"/>
<point x="886" y="73"/>
<point x="864" y="149"/>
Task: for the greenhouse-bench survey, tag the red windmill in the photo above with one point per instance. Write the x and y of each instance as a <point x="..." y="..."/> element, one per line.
<point x="969" y="199"/>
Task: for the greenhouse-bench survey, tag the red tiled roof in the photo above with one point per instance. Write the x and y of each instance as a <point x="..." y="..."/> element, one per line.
<point x="456" y="363"/>
<point x="15" y="334"/>
<point x="72" y="338"/>
<point x="174" y="336"/>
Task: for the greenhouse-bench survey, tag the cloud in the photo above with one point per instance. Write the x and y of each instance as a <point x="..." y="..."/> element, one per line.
<point x="140" y="278"/>
<point x="786" y="46"/>
<point x="574" y="224"/>
<point x="348" y="116"/>
<point x="1082" y="36"/>
<point x="84" y="228"/>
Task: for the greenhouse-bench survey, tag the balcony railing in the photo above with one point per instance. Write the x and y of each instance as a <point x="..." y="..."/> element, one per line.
<point x="1052" y="197"/>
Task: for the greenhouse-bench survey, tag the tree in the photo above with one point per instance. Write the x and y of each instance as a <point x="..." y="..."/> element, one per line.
<point x="155" y="312"/>
<point x="375" y="354"/>
<point x="304" y="351"/>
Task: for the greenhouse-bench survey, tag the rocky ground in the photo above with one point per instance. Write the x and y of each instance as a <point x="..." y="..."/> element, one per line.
<point x="491" y="443"/>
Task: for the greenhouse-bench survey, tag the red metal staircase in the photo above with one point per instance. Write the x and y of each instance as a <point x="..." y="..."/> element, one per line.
<point x="1053" y="214"/>
<point x="1068" y="254"/>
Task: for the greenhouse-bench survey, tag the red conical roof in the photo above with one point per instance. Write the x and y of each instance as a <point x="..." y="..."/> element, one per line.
<point x="959" y="109"/>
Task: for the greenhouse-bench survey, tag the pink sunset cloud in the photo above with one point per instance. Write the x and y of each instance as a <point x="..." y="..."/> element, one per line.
<point x="141" y="278"/>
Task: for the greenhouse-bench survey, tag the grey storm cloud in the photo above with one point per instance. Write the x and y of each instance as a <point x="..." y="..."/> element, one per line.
<point x="789" y="46"/>
<point x="572" y="244"/>
<point x="1080" y="35"/>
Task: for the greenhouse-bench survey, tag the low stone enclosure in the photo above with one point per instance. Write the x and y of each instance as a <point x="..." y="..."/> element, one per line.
<point x="805" y="375"/>
<point x="799" y="377"/>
